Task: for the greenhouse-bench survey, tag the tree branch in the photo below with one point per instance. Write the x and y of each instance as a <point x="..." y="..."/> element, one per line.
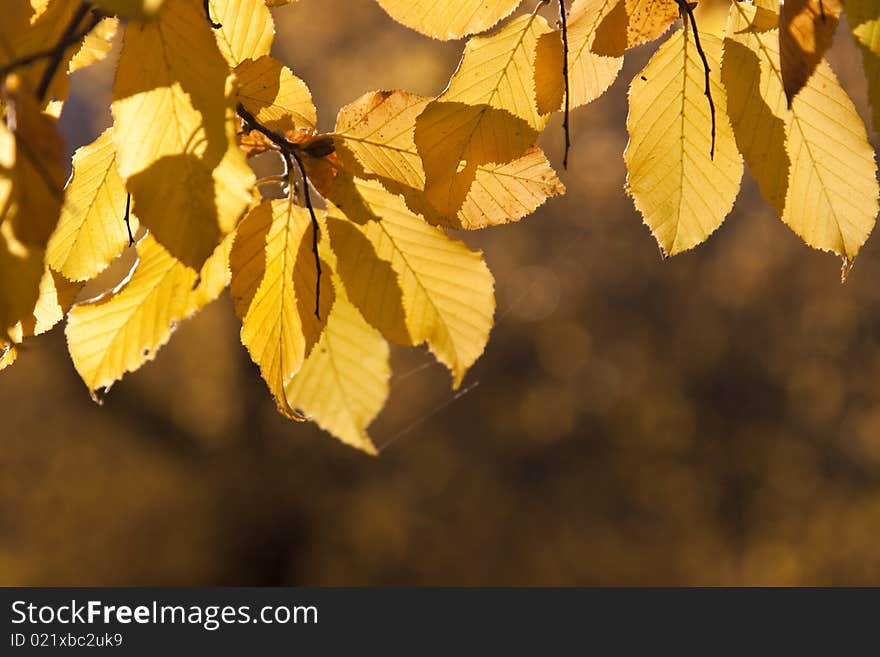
<point x="686" y="10"/>
<point x="55" y="54"/>
<point x="563" y="19"/>
<point x="291" y="153"/>
<point x="127" y="219"/>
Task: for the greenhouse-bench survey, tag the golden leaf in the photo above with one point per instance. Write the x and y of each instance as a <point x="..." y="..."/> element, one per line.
<point x="864" y="21"/>
<point x="273" y="283"/>
<point x="414" y="283"/>
<point x="806" y="28"/>
<point x="274" y="95"/>
<point x="813" y="163"/>
<point x="33" y="192"/>
<point x="96" y="46"/>
<point x="682" y="192"/>
<point x="124" y="328"/>
<point x="375" y="140"/>
<point x="448" y="20"/>
<point x="246" y="29"/>
<point x="175" y="131"/>
<point x="343" y="383"/>
<point x="595" y="56"/>
<point x="646" y="19"/>
<point x="92" y="231"/>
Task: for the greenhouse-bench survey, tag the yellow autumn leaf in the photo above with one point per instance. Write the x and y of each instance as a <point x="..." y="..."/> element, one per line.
<point x="414" y="283"/>
<point x="36" y="172"/>
<point x="21" y="270"/>
<point x="594" y="58"/>
<point x="124" y="328"/>
<point x="864" y="21"/>
<point x="246" y="29"/>
<point x="56" y="296"/>
<point x="487" y="114"/>
<point x="343" y="384"/>
<point x="96" y="45"/>
<point x="453" y="139"/>
<point x="274" y="95"/>
<point x="498" y="70"/>
<point x="273" y="283"/>
<point x="136" y="9"/>
<point x="174" y="130"/>
<point x="374" y="137"/>
<point x="646" y="20"/>
<point x="375" y="140"/>
<point x="806" y="28"/>
<point x="91" y="231"/>
<point x="681" y="190"/>
<point x="813" y="163"/>
<point x="508" y="192"/>
<point x="121" y="331"/>
<point x="448" y="20"/>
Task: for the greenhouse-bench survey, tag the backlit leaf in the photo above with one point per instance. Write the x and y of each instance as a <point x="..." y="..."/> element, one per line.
<point x="124" y="328"/>
<point x="646" y="20"/>
<point x="813" y="163"/>
<point x="246" y="29"/>
<point x="96" y="46"/>
<point x="343" y="383"/>
<point x="682" y="192"/>
<point x="274" y="95"/>
<point x="414" y="283"/>
<point x="175" y="132"/>
<point x="273" y="281"/>
<point x="36" y="171"/>
<point x="594" y="58"/>
<point x="92" y="231"/>
<point x="375" y="139"/>
<point x="448" y="20"/>
<point x="864" y="21"/>
<point x="806" y="28"/>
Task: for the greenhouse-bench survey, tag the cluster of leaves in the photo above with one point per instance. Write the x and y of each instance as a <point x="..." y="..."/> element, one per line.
<point x="346" y="246"/>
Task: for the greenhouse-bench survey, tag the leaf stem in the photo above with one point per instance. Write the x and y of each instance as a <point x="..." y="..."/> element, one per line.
<point x="563" y="19"/>
<point x="290" y="152"/>
<point x="127" y="219"/>
<point x="55" y="54"/>
<point x="687" y="13"/>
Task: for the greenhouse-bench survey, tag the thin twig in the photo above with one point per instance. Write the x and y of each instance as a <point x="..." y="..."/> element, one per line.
<point x="315" y="231"/>
<point x="687" y="13"/>
<point x="55" y="53"/>
<point x="214" y="25"/>
<point x="127" y="219"/>
<point x="564" y="23"/>
<point x="290" y="152"/>
<point x="70" y="32"/>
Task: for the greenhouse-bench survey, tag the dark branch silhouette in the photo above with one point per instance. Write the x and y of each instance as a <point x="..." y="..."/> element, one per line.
<point x="315" y="232"/>
<point x="687" y="13"/>
<point x="127" y="219"/>
<point x="72" y="35"/>
<point x="207" y="5"/>
<point x="290" y="153"/>
<point x="563" y="19"/>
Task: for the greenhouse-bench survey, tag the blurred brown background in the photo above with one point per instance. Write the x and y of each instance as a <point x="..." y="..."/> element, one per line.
<point x="710" y="419"/>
